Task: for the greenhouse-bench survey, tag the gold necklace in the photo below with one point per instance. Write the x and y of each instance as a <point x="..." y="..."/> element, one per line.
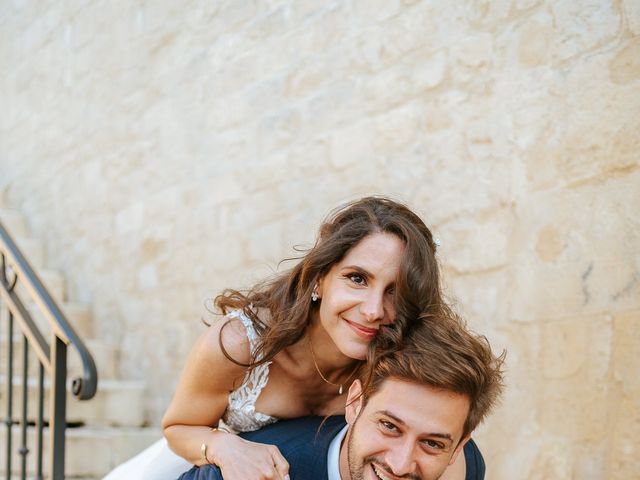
<point x="313" y="357"/>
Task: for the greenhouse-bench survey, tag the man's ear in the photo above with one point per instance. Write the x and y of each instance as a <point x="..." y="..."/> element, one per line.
<point x="354" y="402"/>
<point x="459" y="449"/>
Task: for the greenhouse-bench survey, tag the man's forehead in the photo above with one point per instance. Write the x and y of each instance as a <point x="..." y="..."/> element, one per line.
<point x="420" y="407"/>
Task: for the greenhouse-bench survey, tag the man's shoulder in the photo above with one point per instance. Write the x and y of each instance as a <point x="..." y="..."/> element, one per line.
<point x="304" y="442"/>
<point x="301" y="439"/>
<point x="474" y="461"/>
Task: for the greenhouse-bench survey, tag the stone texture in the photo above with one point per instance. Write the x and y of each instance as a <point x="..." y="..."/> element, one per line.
<point x="163" y="153"/>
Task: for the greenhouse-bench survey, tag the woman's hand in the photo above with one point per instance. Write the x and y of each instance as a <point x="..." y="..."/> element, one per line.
<point x="240" y="459"/>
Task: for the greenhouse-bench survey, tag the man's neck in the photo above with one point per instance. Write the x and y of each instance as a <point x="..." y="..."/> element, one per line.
<point x="345" y="473"/>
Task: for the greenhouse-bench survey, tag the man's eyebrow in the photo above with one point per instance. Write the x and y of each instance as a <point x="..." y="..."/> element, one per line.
<point x="444" y="436"/>
<point x="391" y="415"/>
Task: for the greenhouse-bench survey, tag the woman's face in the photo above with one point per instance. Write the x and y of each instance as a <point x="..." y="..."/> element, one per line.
<point x="357" y="293"/>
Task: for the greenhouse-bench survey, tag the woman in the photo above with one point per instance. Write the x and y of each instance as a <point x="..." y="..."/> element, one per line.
<point x="291" y="346"/>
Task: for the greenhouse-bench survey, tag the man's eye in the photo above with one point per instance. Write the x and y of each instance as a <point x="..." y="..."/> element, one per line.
<point x="433" y="444"/>
<point x="357" y="279"/>
<point x="390" y="427"/>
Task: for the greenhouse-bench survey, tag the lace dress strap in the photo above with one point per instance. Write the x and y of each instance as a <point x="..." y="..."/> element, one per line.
<point x="241" y="415"/>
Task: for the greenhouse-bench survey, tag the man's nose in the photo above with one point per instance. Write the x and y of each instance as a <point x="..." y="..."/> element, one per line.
<point x="372" y="307"/>
<point x="401" y="459"/>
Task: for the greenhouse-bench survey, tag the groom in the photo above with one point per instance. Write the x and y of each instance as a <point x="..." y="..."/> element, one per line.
<point x="411" y="420"/>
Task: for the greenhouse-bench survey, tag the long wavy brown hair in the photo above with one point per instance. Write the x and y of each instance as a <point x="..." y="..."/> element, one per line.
<point x="287" y="296"/>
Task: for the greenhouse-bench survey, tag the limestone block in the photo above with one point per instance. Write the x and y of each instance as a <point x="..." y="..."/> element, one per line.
<point x="626" y="354"/>
<point x="576" y="263"/>
<point x="278" y="130"/>
<point x="374" y="11"/>
<point x="397" y="129"/>
<point x="351" y="144"/>
<point x="479" y="298"/>
<point x="309" y="76"/>
<point x="486" y="13"/>
<point x="579" y="30"/>
<point x="478" y="245"/>
<point x="308" y="156"/>
<point x="339" y="104"/>
<point x="406" y="33"/>
<point x="474" y="52"/>
<point x="534" y="42"/>
<point x="576" y="356"/>
<point x="631" y="11"/>
<point x="14" y="222"/>
<point x="274" y="23"/>
<point x="324" y="30"/>
<point x="365" y="51"/>
<point x="625" y="66"/>
<point x="266" y="242"/>
<point x="393" y="86"/>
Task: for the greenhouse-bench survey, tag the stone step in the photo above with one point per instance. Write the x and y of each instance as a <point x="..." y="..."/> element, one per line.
<point x="78" y="315"/>
<point x="14" y="222"/>
<point x="104" y="356"/>
<point x="34" y="251"/>
<point x="91" y="452"/>
<point x="53" y="281"/>
<point x="117" y="403"/>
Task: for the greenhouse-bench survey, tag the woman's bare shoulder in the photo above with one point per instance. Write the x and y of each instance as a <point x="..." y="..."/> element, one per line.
<point x="228" y="334"/>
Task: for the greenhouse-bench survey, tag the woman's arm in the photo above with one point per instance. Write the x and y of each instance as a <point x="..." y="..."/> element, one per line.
<point x="201" y="399"/>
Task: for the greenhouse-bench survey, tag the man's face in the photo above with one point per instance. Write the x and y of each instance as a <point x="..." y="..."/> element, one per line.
<point x="405" y="430"/>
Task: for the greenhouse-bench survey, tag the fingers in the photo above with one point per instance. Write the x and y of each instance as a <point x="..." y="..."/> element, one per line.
<point x="280" y="464"/>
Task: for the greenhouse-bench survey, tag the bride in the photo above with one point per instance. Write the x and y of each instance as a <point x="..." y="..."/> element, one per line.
<point x="290" y="346"/>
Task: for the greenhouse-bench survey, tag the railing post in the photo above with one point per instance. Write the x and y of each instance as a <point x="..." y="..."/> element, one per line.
<point x="8" y="420"/>
<point x="58" y="414"/>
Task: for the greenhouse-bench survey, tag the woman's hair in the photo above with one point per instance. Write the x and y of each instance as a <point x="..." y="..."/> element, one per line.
<point x="440" y="352"/>
<point x="287" y="296"/>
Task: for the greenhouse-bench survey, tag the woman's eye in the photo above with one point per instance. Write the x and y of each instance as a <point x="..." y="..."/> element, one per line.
<point x="357" y="279"/>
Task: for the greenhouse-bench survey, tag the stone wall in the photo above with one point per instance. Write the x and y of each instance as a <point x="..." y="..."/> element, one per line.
<point x="166" y="150"/>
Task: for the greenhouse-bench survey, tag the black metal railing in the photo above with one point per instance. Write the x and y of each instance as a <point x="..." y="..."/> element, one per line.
<point x="15" y="272"/>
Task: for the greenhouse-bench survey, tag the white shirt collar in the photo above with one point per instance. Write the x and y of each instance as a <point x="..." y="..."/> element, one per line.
<point x="333" y="455"/>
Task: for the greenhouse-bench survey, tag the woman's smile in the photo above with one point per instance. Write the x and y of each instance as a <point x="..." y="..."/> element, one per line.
<point x="364" y="332"/>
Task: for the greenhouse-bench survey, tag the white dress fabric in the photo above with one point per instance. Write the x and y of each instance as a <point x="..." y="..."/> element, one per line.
<point x="158" y="462"/>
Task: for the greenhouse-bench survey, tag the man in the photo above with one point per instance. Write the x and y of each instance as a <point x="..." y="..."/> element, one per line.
<point x="409" y="417"/>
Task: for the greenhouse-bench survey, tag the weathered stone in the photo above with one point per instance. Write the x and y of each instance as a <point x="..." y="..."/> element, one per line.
<point x="625" y="66"/>
<point x="163" y="153"/>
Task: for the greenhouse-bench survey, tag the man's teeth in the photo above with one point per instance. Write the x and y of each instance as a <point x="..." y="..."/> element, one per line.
<point x="380" y="473"/>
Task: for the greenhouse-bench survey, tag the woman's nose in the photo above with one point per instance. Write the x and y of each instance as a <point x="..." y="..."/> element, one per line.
<point x="372" y="308"/>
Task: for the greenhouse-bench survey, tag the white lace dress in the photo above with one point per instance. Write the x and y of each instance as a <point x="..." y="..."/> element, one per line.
<point x="158" y="462"/>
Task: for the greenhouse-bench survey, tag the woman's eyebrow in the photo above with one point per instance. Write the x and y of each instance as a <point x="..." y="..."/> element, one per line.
<point x="359" y="269"/>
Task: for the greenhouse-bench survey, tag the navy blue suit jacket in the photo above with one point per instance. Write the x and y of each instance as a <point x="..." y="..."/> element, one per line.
<point x="304" y="442"/>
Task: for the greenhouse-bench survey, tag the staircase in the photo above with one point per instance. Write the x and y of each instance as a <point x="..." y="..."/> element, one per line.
<point x="102" y="432"/>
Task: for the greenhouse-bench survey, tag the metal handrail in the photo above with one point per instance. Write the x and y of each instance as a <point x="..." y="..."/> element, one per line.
<point x="52" y="358"/>
<point x="83" y="387"/>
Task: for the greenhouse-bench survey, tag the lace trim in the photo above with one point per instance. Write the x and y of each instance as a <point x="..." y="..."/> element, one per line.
<point x="241" y="414"/>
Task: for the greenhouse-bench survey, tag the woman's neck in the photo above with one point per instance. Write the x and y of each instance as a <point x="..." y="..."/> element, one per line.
<point x="317" y="347"/>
